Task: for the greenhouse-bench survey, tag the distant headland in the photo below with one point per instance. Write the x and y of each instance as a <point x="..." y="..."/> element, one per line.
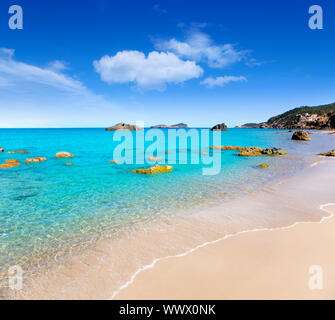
<point x="317" y="118"/>
<point x="178" y="125"/>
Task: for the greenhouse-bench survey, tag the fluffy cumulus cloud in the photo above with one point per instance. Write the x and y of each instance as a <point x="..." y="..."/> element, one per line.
<point x="200" y="47"/>
<point x="153" y="71"/>
<point x="221" y="81"/>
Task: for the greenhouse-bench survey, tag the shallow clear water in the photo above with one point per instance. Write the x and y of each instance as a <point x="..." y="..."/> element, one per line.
<point x="47" y="207"/>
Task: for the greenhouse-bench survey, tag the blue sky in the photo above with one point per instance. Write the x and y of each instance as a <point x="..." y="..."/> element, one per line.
<point x="95" y="63"/>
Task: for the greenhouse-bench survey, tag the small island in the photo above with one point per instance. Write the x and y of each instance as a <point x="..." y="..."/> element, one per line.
<point x="173" y="126"/>
<point x="123" y="126"/>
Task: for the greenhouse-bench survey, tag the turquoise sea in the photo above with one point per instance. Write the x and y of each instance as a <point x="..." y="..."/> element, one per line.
<point x="47" y="207"/>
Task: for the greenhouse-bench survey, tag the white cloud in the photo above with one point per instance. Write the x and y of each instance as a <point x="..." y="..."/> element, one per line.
<point x="18" y="72"/>
<point x="221" y="81"/>
<point x="151" y="72"/>
<point x="33" y="96"/>
<point x="58" y="65"/>
<point x="200" y="47"/>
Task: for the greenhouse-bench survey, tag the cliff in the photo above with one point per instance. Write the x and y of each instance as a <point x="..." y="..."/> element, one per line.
<point x="318" y="118"/>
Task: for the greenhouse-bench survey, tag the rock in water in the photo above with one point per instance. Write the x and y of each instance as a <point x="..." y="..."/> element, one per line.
<point x="37" y="159"/>
<point x="123" y="126"/>
<point x="226" y="147"/>
<point x="263" y="165"/>
<point x="21" y="151"/>
<point x="1" y="149"/>
<point x="301" y="135"/>
<point x="328" y="154"/>
<point x="12" y="161"/>
<point x="9" y="163"/>
<point x="155" y="169"/>
<point x="274" y="152"/>
<point x="250" y="152"/>
<point x="63" y="154"/>
<point x="220" y="127"/>
<point x="154" y="158"/>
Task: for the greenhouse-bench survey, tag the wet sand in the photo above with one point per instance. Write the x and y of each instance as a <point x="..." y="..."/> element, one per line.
<point x="208" y="256"/>
<point x="268" y="264"/>
<point x="259" y="265"/>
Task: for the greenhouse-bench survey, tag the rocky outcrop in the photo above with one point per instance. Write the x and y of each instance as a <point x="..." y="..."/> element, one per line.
<point x="154" y="158"/>
<point x="226" y="147"/>
<point x="274" y="152"/>
<point x="220" y="127"/>
<point x="9" y="163"/>
<point x="20" y="151"/>
<point x="257" y="151"/>
<point x="34" y="160"/>
<point x="250" y="152"/>
<point x="328" y="154"/>
<point x="164" y="126"/>
<point x="301" y="135"/>
<point x="123" y="126"/>
<point x="63" y="154"/>
<point x="155" y="169"/>
<point x="262" y="125"/>
<point x="12" y="161"/>
<point x="318" y="118"/>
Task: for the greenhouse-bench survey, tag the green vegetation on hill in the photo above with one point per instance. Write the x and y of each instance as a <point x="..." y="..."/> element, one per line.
<point x="290" y="116"/>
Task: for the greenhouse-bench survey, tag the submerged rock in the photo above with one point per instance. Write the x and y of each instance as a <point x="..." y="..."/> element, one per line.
<point x="250" y="152"/>
<point x="328" y="154"/>
<point x="226" y="147"/>
<point x="37" y="159"/>
<point x="63" y="154"/>
<point x="155" y="169"/>
<point x="9" y="165"/>
<point x="301" y="135"/>
<point x="123" y="126"/>
<point x="244" y="153"/>
<point x="263" y="165"/>
<point x="274" y="152"/>
<point x="220" y="127"/>
<point x="12" y="161"/>
<point x="20" y="151"/>
<point x="154" y="158"/>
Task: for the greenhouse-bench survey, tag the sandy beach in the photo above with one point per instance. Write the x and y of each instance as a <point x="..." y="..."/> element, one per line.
<point x="258" y="265"/>
<point x="268" y="264"/>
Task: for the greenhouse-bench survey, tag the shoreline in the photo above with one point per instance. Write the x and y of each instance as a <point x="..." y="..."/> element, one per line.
<point x="99" y="265"/>
<point x="148" y="279"/>
<point x="156" y="261"/>
<point x="153" y="273"/>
